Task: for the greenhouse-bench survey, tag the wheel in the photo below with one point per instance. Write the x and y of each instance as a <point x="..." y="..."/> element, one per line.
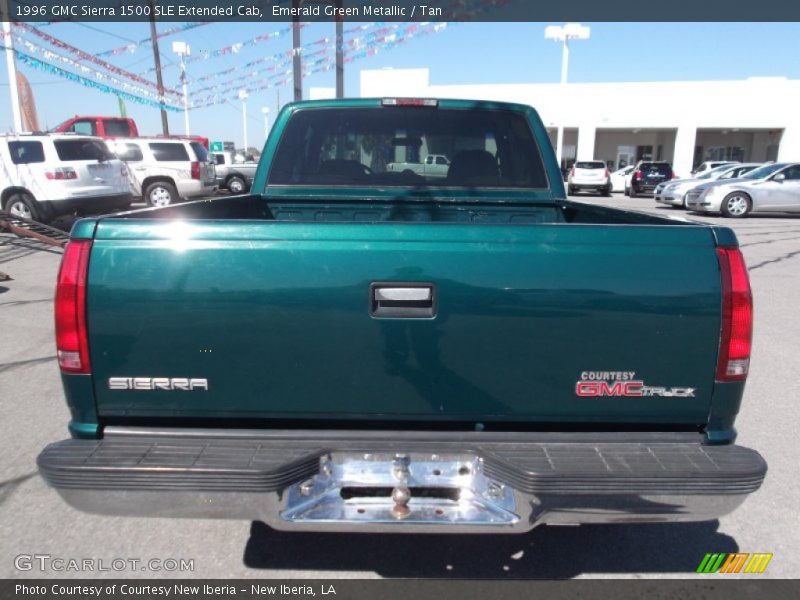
<point x="22" y="206"/>
<point x="632" y="192"/>
<point x="160" y="193"/>
<point x="607" y="190"/>
<point x="236" y="185"/>
<point x="736" y="205"/>
<point x="570" y="190"/>
<point x="684" y="203"/>
<point x="627" y="191"/>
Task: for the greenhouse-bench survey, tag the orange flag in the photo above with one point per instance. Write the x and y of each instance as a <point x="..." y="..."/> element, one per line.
<point x="27" y="105"/>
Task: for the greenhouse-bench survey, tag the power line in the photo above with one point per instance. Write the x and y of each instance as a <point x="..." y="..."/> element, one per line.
<point x="98" y="30"/>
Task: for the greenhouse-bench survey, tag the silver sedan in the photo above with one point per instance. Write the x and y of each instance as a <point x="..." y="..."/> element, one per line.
<point x="772" y="188"/>
<point x="675" y="192"/>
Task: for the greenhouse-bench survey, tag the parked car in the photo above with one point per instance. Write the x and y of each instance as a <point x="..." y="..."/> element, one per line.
<point x="711" y="164"/>
<point x="104" y="127"/>
<point x="234" y="176"/>
<point x="164" y="171"/>
<point x="342" y="351"/>
<point x="774" y="187"/>
<point x="589" y="175"/>
<point x="647" y="175"/>
<point x="620" y="177"/>
<point x="434" y="165"/>
<point x="48" y="175"/>
<point x="675" y="192"/>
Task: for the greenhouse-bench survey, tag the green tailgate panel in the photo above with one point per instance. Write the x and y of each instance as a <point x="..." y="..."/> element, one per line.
<point x="276" y="317"/>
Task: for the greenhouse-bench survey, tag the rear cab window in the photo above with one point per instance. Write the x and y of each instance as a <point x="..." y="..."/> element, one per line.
<point x="169" y="151"/>
<point x="24" y="153"/>
<point x="82" y="149"/>
<point x="590" y="165"/>
<point x="355" y="146"/>
<point x="117" y="127"/>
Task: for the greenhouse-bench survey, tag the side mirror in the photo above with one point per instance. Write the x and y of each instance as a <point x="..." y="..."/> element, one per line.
<point x="779" y="178"/>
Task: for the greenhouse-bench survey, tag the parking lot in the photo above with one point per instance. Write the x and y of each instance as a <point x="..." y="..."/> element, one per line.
<point x="33" y="519"/>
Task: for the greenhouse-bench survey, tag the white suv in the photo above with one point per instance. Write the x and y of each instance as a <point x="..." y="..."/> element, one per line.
<point x="48" y="175"/>
<point x="165" y="170"/>
<point x="589" y="175"/>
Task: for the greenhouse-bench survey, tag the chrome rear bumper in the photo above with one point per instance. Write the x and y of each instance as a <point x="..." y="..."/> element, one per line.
<point x="403" y="481"/>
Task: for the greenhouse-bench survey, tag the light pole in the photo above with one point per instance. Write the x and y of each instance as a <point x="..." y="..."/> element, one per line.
<point x="563" y="34"/>
<point x="265" y="112"/>
<point x="11" y="62"/>
<point x="182" y="49"/>
<point x="243" y="97"/>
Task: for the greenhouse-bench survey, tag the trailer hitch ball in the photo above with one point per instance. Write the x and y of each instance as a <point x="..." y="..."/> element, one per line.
<point x="401" y="496"/>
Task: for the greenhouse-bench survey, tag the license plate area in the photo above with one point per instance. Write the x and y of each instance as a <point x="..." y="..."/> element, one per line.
<point x="401" y="489"/>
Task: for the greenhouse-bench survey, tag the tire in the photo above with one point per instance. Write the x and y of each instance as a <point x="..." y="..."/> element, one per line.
<point x="160" y="193"/>
<point x="570" y="190"/>
<point x="736" y="205"/>
<point x="236" y="185"/>
<point x="607" y="191"/>
<point x="23" y="206"/>
<point x="627" y="191"/>
<point x="632" y="192"/>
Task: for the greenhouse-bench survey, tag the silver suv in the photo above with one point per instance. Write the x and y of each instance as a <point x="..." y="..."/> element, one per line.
<point x="164" y="171"/>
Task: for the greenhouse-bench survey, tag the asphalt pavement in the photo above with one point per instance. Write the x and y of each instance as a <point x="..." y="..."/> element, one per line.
<point x="34" y="520"/>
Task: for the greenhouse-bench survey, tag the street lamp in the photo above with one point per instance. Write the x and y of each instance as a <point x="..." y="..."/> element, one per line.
<point x="563" y="34"/>
<point x="265" y="112"/>
<point x="243" y="95"/>
<point x="182" y="49"/>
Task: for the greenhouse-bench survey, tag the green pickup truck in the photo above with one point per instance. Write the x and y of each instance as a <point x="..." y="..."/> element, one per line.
<point x="349" y="348"/>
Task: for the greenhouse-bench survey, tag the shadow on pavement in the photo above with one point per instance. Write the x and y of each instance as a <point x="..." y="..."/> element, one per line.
<point x="546" y="552"/>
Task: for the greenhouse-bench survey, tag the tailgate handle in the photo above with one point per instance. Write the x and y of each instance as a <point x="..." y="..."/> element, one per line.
<point x="402" y="300"/>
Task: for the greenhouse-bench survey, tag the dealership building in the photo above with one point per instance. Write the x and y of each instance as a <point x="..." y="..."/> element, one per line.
<point x="683" y="122"/>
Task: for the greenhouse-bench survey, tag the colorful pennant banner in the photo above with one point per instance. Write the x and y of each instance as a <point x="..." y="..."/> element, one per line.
<point x="35" y="63"/>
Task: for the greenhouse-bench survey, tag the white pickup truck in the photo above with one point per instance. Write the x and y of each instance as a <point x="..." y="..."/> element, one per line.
<point x="234" y="176"/>
<point x="434" y="165"/>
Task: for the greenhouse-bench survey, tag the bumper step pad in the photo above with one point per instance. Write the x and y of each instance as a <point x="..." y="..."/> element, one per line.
<point x="249" y="464"/>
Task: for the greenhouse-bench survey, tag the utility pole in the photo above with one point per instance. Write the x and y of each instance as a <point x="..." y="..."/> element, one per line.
<point x="339" y="51"/>
<point x="297" y="61"/>
<point x="11" y="62"/>
<point x="157" y="60"/>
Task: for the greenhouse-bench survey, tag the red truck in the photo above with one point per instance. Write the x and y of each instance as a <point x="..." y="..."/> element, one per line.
<point x="104" y="127"/>
<point x="114" y="127"/>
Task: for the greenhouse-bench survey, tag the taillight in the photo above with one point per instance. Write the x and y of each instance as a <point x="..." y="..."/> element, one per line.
<point x="736" y="333"/>
<point x="607" y="173"/>
<point x="195" y="170"/>
<point x="637" y="175"/>
<point x="61" y="173"/>
<point x="674" y="176"/>
<point x="72" y="341"/>
<point x="572" y="172"/>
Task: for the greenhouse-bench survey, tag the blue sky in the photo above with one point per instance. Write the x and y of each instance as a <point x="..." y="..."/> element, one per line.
<point x="463" y="53"/>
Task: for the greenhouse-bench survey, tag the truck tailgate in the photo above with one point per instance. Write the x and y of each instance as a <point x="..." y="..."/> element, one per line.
<point x="534" y="323"/>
